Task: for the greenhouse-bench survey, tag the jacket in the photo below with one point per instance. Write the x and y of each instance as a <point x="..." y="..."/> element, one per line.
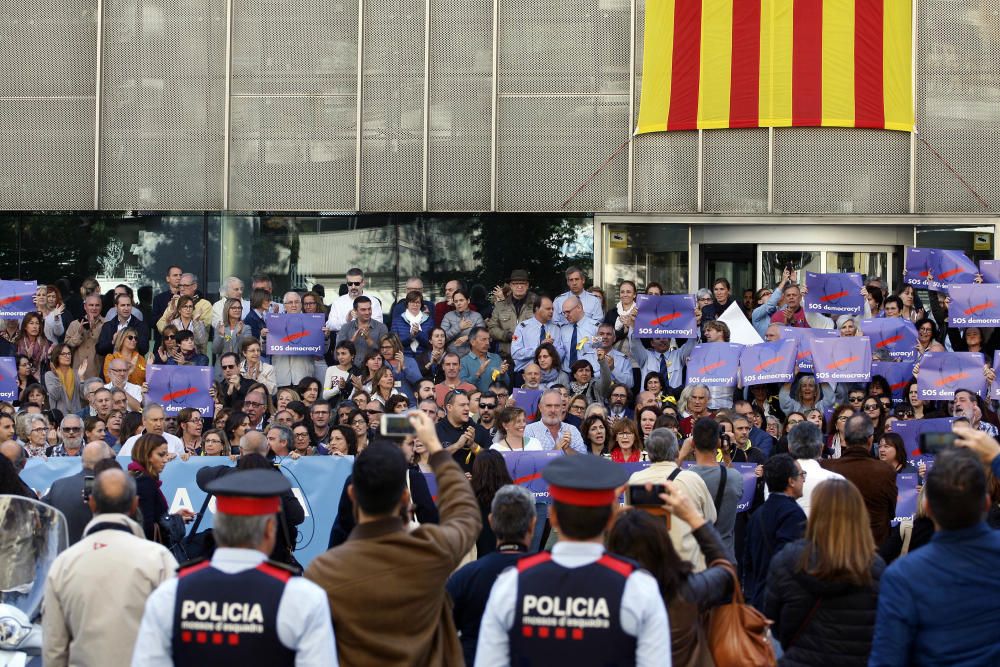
<point x="66" y="495"/>
<point x="876" y="480"/>
<point x="105" y="343"/>
<point x="386" y="585"/>
<point x="831" y="622"/>
<point x="96" y="591"/>
<point x="83" y="339"/>
<point x="401" y="328"/>
<point x="776" y="523"/>
<point x="420" y="496"/>
<point x="58" y="400"/>
<point x="505" y="317"/>
<point x="452" y="325"/>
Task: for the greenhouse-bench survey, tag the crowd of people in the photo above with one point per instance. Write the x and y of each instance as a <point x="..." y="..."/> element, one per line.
<point x="471" y="574"/>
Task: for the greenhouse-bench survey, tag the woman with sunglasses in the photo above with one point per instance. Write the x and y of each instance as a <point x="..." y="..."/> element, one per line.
<point x="872" y="408"/>
<point x="231" y="330"/>
<point x="836" y="443"/>
<point x="126" y="345"/>
<point x="167" y="347"/>
<point x="181" y="314"/>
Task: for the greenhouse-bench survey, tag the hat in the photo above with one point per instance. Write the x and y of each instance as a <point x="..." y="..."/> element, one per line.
<point x="587" y="481"/>
<point x="518" y="275"/>
<point x="249" y="492"/>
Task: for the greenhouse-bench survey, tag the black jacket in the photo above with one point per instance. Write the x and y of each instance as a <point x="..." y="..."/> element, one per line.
<point x="66" y="495"/>
<point x="921" y="534"/>
<point x="843" y="615"/>
<point x="106" y="341"/>
<point x="420" y="495"/>
<point x="778" y="522"/>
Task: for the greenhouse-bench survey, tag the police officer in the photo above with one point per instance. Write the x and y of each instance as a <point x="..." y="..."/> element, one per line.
<point x="239" y="608"/>
<point x="534" y="331"/>
<point x="577" y="336"/>
<point x="576" y="604"/>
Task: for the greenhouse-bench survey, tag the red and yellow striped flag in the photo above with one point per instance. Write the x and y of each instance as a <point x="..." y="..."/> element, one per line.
<point x="760" y="63"/>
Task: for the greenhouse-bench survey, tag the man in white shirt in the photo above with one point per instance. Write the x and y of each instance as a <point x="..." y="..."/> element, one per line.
<point x="805" y="444"/>
<point x="576" y="282"/>
<point x="551" y="430"/>
<point x="153" y="418"/>
<point x="119" y="369"/>
<point x="342" y="308"/>
<point x="232" y="288"/>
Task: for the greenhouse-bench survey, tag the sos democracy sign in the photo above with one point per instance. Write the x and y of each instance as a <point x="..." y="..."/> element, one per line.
<point x="298" y="333"/>
<point x="843" y="359"/>
<point x="8" y="379"/>
<point x="714" y="364"/>
<point x="896" y="373"/>
<point x="950" y="267"/>
<point x="942" y="373"/>
<point x="527" y="400"/>
<point x="179" y="387"/>
<point x="525" y="468"/>
<point x="893" y="335"/>
<point x="838" y="293"/>
<point x="974" y="305"/>
<point x="17" y="298"/>
<point x="665" y="316"/>
<point x="805" y="337"/>
<point x="768" y="362"/>
<point x="910" y="429"/>
<point x="317" y="482"/>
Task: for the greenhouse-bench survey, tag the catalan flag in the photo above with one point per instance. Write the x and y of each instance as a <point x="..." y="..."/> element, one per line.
<point x="711" y="64"/>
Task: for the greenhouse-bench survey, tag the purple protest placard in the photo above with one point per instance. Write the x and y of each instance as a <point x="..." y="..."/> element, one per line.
<point x="846" y="359"/>
<point x="291" y="334"/>
<point x="525" y="469"/>
<point x="941" y="373"/>
<point x="974" y="305"/>
<point x="8" y="379"/>
<point x="714" y="364"/>
<point x="906" y="496"/>
<point x="179" y="387"/>
<point x="666" y="316"/>
<point x="897" y="374"/>
<point x="768" y="362"/>
<point x="995" y="388"/>
<point x="918" y="266"/>
<point x="432" y="485"/>
<point x="950" y="267"/>
<point x="894" y="335"/>
<point x="17" y="298"/>
<point x="748" y="471"/>
<point x="527" y="400"/>
<point x="910" y="429"/>
<point x="838" y="293"/>
<point x="804" y="337"/>
<point x="990" y="270"/>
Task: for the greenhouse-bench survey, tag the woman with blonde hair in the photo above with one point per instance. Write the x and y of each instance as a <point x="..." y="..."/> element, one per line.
<point x="126" y="344"/>
<point x="822" y="591"/>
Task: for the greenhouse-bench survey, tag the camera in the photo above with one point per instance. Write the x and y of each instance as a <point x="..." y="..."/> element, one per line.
<point x="934" y="443"/>
<point x="396" y="425"/>
<point x="638" y="496"/>
<point x="88" y="488"/>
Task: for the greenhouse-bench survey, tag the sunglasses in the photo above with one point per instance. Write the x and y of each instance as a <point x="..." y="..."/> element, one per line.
<point x="487" y="406"/>
<point x="170" y="337"/>
<point x="375" y="412"/>
<point x="855" y="399"/>
<point x="228" y="367"/>
<point x="354" y="284"/>
<point x="71" y="429"/>
<point x="130" y="337"/>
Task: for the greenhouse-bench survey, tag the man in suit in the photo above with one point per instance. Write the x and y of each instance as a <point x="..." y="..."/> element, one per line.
<point x="124" y="320"/>
<point x="162" y="300"/>
<point x="66" y="494"/>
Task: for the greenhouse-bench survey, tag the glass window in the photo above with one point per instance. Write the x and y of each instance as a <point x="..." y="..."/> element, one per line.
<point x="645" y="254"/>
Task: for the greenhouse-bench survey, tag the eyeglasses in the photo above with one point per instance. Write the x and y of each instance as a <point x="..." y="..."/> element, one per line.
<point x="40" y="429"/>
<point x="71" y="429"/>
<point x="359" y="422"/>
<point x="375" y="412"/>
<point x="871" y="406"/>
<point x="228" y="367"/>
<point x="253" y="404"/>
<point x="321" y="412"/>
<point x="119" y="370"/>
<point x="301" y="435"/>
<point x="186" y="285"/>
<point x="188" y="305"/>
<point x="170" y="337"/>
<point x="131" y="337"/>
<point x="488" y="406"/>
<point x="855" y="399"/>
<point x="354" y="284"/>
<point x="801" y="474"/>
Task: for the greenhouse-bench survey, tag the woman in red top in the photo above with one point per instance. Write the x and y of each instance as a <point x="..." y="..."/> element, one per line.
<point x="627" y="444"/>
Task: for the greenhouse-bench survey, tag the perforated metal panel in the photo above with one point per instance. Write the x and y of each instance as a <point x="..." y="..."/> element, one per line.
<point x="162" y="125"/>
<point x="573" y="46"/>
<point x="958" y="106"/>
<point x="834" y="170"/>
<point x="392" y="102"/>
<point x="734" y="171"/>
<point x="292" y="153"/>
<point x="548" y="147"/>
<point x="47" y="153"/>
<point x="461" y="75"/>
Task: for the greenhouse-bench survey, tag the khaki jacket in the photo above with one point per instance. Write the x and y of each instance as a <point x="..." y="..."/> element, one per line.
<point x="96" y="592"/>
<point x="501" y="324"/>
<point x="83" y="341"/>
<point x="386" y="585"/>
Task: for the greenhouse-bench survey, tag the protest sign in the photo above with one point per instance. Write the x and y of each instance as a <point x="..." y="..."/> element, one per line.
<point x="714" y="364"/>
<point x="768" y="362"/>
<point x="804" y="337"/>
<point x="950" y="267"/>
<point x="918" y="266"/>
<point x="906" y="496"/>
<point x="835" y="293"/>
<point x="748" y="471"/>
<point x="8" y="379"/>
<point x="974" y="305"/>
<point x="666" y="316"/>
<point x="17" y="298"/>
<point x="941" y="373"/>
<point x="525" y="469"/>
<point x="295" y="334"/>
<point x="179" y="387"/>
<point x="846" y="359"/>
<point x="910" y="429"/>
<point x="897" y="374"/>
<point x="995" y="387"/>
<point x="895" y="336"/>
<point x="990" y="270"/>
<point x="527" y="400"/>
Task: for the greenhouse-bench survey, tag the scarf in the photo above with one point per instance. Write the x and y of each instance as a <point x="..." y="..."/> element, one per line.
<point x="138" y="469"/>
<point x="67" y="379"/>
<point x="576" y="388"/>
<point x="550" y="375"/>
<point x="412" y="319"/>
<point x="622" y="312"/>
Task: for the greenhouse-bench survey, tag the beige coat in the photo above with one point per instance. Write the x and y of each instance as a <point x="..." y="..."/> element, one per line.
<point x="96" y="592"/>
<point x="694" y="486"/>
<point x="83" y="340"/>
<point x="505" y="318"/>
<point x="386" y="585"/>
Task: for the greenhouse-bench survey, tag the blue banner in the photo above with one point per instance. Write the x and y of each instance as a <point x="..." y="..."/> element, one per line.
<point x="8" y="379"/>
<point x="714" y="364"/>
<point x="179" y="387"/>
<point x="749" y="473"/>
<point x="906" y="496"/>
<point x="527" y="400"/>
<point x="843" y="359"/>
<point x="836" y="293"/>
<point x="17" y="298"/>
<point x="894" y="335"/>
<point x="995" y="387"/>
<point x="768" y="362"/>
<point x="897" y="374"/>
<point x="317" y="482"/>
<point x="295" y="334"/>
<point x="950" y="267"/>
<point x="974" y="305"/>
<point x="918" y="266"/>
<point x="989" y="269"/>
<point x="525" y="469"/>
<point x="941" y="373"/>
<point x="910" y="429"/>
<point x="666" y="316"/>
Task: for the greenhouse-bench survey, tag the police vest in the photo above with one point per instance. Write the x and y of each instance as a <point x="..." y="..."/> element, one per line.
<point x="229" y="619"/>
<point x="567" y="616"/>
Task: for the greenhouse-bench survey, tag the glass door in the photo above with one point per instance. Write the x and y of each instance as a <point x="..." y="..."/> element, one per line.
<point x="872" y="262"/>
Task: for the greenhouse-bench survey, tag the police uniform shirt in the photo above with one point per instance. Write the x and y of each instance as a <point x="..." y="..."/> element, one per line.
<point x="651" y="361"/>
<point x="528" y="336"/>
<point x="622" y="372"/>
<point x="585" y="334"/>
<point x="303" y="621"/>
<point x="642" y="615"/>
<point x="591" y="308"/>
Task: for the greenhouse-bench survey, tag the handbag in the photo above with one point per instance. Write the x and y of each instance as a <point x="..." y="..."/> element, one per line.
<point x="738" y="634"/>
<point x="169" y="531"/>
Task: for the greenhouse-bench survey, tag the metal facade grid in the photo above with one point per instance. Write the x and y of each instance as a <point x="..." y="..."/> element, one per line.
<point x="734" y="174"/>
